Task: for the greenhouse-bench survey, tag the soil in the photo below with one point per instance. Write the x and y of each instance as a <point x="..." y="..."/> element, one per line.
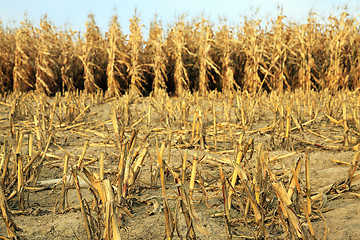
<point x="39" y="221"/>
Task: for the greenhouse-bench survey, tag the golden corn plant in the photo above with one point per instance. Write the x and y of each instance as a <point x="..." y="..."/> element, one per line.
<point x="303" y="52"/>
<point x="135" y="45"/>
<point x="47" y="66"/>
<point x="25" y="53"/>
<point x="157" y="57"/>
<point x="117" y="59"/>
<point x="7" y="58"/>
<point x="176" y="39"/>
<point x="226" y="46"/>
<point x="253" y="49"/>
<point x="340" y="31"/>
<point x="352" y="59"/>
<point x="276" y="56"/>
<point x="93" y="57"/>
<point x="204" y="60"/>
<point x="71" y="66"/>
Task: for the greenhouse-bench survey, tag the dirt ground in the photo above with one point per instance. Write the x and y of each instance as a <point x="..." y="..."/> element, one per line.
<point x="329" y="161"/>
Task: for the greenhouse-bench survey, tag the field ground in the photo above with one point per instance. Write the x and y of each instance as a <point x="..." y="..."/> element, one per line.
<point x="263" y="135"/>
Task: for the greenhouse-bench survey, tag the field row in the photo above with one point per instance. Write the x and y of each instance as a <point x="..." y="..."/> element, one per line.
<point x="189" y="55"/>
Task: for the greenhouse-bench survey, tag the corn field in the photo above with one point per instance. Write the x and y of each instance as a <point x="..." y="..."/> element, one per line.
<point x="261" y="141"/>
<point x="188" y="56"/>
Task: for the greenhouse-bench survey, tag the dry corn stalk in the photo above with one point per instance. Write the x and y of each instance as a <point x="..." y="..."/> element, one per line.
<point x="163" y="190"/>
<point x="181" y="77"/>
<point x="204" y="59"/>
<point x="155" y="45"/>
<point x="193" y="176"/>
<point x="117" y="59"/>
<point x="7" y="59"/>
<point x="307" y="177"/>
<point x="239" y="157"/>
<point x="187" y="208"/>
<point x="92" y="57"/>
<point x="135" y="69"/>
<point x="112" y="230"/>
<point x="227" y="46"/>
<point x="24" y="69"/>
<point x="70" y="65"/>
<point x="136" y="166"/>
<point x="226" y="205"/>
<point x="106" y="195"/>
<point x="63" y="196"/>
<point x="252" y="201"/>
<point x="82" y="206"/>
<point x="254" y="50"/>
<point x="47" y="67"/>
<point x="6" y="215"/>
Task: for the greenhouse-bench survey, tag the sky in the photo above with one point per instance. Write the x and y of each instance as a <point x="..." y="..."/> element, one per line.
<point x="73" y="13"/>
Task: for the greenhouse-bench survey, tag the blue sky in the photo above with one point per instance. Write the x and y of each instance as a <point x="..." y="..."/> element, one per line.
<point x="74" y="13"/>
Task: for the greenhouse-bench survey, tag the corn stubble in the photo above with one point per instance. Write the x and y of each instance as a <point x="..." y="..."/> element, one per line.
<point x="252" y="193"/>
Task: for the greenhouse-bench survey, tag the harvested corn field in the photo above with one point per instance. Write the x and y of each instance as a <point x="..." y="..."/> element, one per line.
<point x="244" y="166"/>
<point x="197" y="132"/>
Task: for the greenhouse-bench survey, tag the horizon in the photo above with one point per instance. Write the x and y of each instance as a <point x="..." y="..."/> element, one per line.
<point x="75" y="18"/>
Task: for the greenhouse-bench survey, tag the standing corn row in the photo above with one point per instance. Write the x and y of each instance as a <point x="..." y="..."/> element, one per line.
<point x="191" y="55"/>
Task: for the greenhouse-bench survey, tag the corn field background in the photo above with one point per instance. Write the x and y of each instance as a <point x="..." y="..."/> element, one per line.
<point x="195" y="131"/>
<point x="190" y="55"/>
